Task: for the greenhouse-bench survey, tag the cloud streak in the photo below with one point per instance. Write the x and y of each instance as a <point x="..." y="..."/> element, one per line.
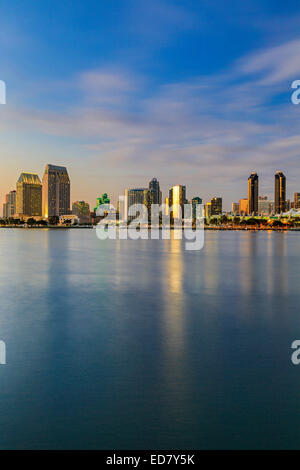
<point x="199" y="130"/>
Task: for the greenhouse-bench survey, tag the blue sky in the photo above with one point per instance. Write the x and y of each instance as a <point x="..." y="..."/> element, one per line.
<point x="191" y="92"/>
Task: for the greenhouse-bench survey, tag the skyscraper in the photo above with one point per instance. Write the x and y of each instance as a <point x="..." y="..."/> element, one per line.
<point x="56" y="191"/>
<point x="196" y="201"/>
<point x="253" y="193"/>
<point x="29" y="195"/>
<point x="133" y="197"/>
<point x="154" y="192"/>
<point x="216" y="206"/>
<point x="9" y="207"/>
<point x="177" y="199"/>
<point x="280" y="192"/>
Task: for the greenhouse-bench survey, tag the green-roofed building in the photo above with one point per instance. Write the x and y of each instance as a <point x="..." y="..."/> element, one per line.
<point x="104" y="199"/>
<point x="29" y="195"/>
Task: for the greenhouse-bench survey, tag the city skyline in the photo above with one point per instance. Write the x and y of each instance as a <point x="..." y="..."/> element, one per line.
<point x="165" y="189"/>
<point x="55" y="196"/>
<point x="133" y="102"/>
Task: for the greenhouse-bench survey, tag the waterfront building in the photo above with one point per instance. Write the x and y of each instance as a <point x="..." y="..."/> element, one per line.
<point x="235" y="208"/>
<point x="9" y="207"/>
<point x="154" y="192"/>
<point x="29" y="195"/>
<point x="71" y="219"/>
<point x="253" y="194"/>
<point x="80" y="208"/>
<point x="196" y="201"/>
<point x="213" y="207"/>
<point x="134" y="196"/>
<point x="177" y="199"/>
<point x="280" y="192"/>
<point x="216" y="206"/>
<point x="265" y="207"/>
<point x="244" y="206"/>
<point x="167" y="206"/>
<point x="104" y="199"/>
<point x="207" y="210"/>
<point x="296" y="200"/>
<point x="56" y="191"/>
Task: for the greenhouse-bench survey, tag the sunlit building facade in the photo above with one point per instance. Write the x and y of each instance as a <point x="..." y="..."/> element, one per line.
<point x="265" y="207"/>
<point x="80" y="208"/>
<point x="9" y="207"/>
<point x="177" y="199"/>
<point x="196" y="201"/>
<point x="280" y="192"/>
<point x="253" y="194"/>
<point x="244" y="206"/>
<point x="235" y="207"/>
<point x="133" y="197"/>
<point x="29" y="195"/>
<point x="213" y="207"/>
<point x="56" y="191"/>
<point x="207" y="210"/>
<point x="216" y="206"/>
<point x="296" y="200"/>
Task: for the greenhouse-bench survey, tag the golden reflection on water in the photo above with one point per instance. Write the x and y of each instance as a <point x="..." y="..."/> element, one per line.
<point x="247" y="253"/>
<point x="278" y="271"/>
<point x="210" y="263"/>
<point x="174" y="310"/>
<point x="256" y="276"/>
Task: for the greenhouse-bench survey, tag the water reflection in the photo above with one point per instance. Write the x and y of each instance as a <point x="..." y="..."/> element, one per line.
<point x="247" y="267"/>
<point x="211" y="262"/>
<point x="175" y="309"/>
<point x="278" y="265"/>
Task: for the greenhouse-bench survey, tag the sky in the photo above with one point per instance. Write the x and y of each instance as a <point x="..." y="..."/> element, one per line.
<point x="193" y="92"/>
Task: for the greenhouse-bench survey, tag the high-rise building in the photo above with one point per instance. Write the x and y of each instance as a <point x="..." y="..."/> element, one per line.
<point x="253" y="193"/>
<point x="235" y="207"/>
<point x="177" y="199"/>
<point x="80" y="208"/>
<point x="216" y="206"/>
<point x="244" y="206"/>
<point x="196" y="201"/>
<point x="167" y="206"/>
<point x="296" y="200"/>
<point x="154" y="192"/>
<point x="265" y="206"/>
<point x="135" y="196"/>
<point x="280" y="192"/>
<point x="9" y="207"/>
<point x="56" y="191"/>
<point x="207" y="210"/>
<point x="29" y="195"/>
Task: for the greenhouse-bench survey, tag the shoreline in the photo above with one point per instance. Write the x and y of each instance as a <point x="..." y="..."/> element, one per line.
<point x="214" y="228"/>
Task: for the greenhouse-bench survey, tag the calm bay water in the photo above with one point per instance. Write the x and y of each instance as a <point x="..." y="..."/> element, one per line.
<point x="141" y="344"/>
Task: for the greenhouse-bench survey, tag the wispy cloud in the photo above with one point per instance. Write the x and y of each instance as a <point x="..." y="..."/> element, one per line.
<point x="203" y="129"/>
<point x="275" y="64"/>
